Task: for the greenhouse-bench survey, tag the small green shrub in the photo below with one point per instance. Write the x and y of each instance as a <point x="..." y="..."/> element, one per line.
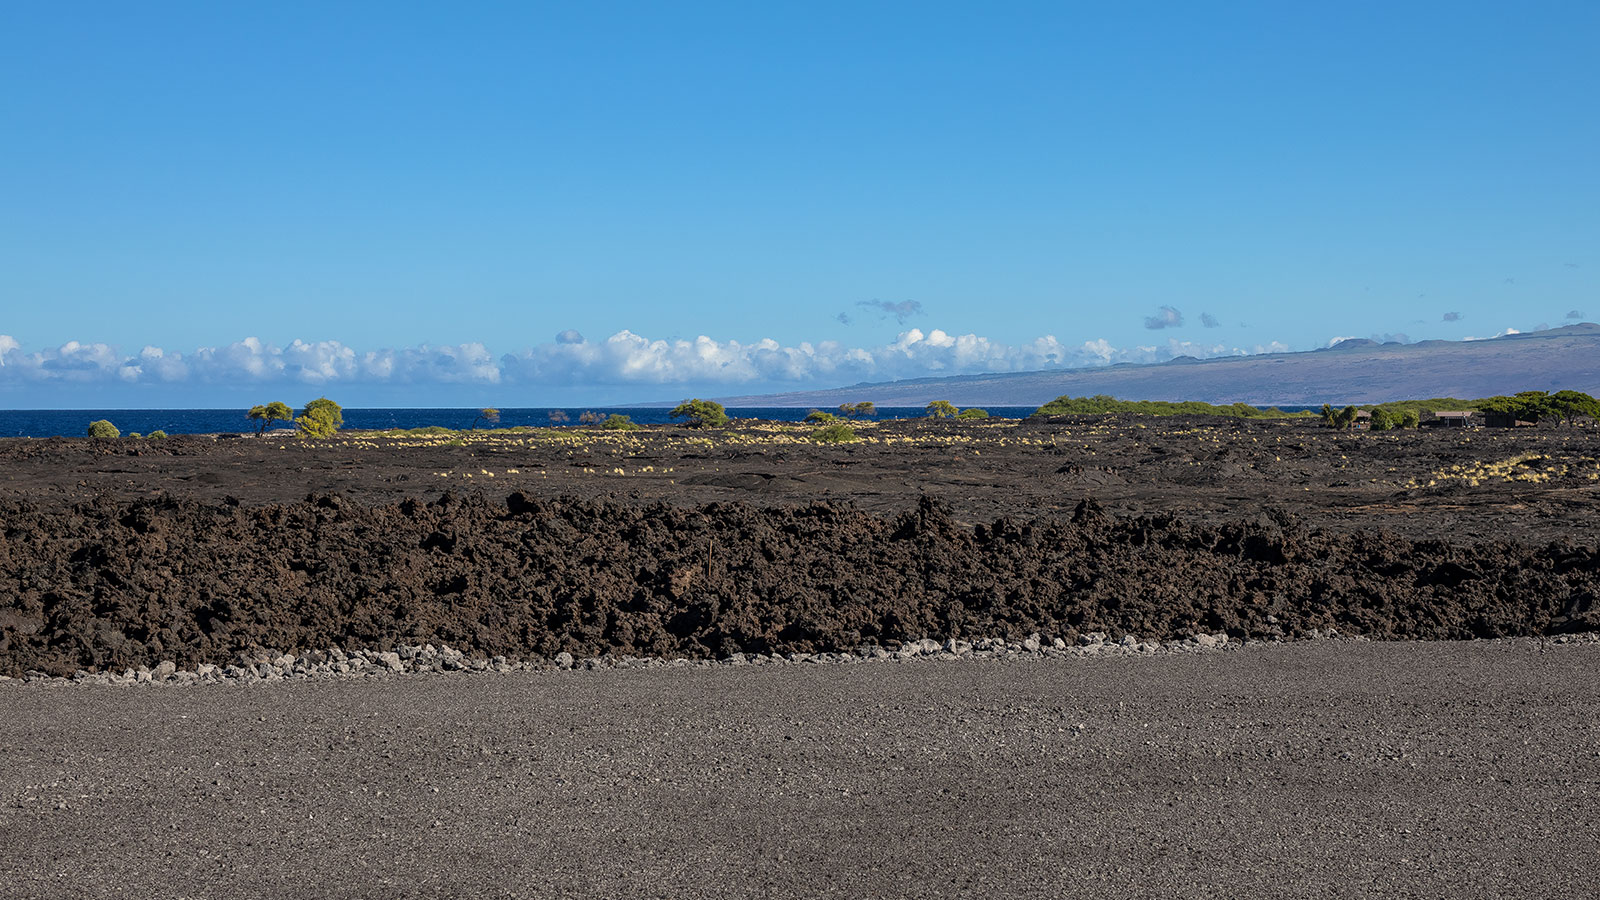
<point x="1410" y="418"/>
<point x="973" y="413"/>
<point x="619" y="422"/>
<point x="103" y="429"/>
<point x="818" y="417"/>
<point x="157" y="435"/>
<point x="701" y="413"/>
<point x="941" y="409"/>
<point x="321" y="418"/>
<point x="317" y="423"/>
<point x="135" y="434"/>
<point x="837" y="433"/>
<point x="424" y="431"/>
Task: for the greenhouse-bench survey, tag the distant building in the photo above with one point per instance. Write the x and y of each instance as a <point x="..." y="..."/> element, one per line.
<point x="1363" y="419"/>
<point x="1505" y="420"/>
<point x="1452" y="418"/>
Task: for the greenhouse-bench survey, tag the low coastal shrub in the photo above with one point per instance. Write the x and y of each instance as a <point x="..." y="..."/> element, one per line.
<point x="818" y="417"/>
<point x="156" y="435"/>
<point x="973" y="413"/>
<point x="425" y="431"/>
<point x="837" y="433"/>
<point x="321" y="418"/>
<point x="101" y="428"/>
<point x="1101" y="404"/>
<point x="619" y="422"/>
<point x="699" y="413"/>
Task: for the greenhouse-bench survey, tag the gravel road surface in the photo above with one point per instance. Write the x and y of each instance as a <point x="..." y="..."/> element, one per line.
<point x="1323" y="769"/>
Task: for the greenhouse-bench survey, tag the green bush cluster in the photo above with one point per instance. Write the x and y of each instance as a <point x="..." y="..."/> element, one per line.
<point x="836" y="433"/>
<point x="619" y="422"/>
<point x="320" y="419"/>
<point x="699" y="413"/>
<point x="101" y="428"/>
<point x="1536" y="406"/>
<point x="1101" y="404"/>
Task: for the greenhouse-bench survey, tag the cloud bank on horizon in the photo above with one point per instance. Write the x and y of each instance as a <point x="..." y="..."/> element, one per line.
<point x="570" y="359"/>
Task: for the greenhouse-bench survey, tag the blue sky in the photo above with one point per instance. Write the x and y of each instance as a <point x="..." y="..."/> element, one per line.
<point x="404" y="204"/>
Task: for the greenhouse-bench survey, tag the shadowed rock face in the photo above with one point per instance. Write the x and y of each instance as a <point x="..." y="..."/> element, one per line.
<point x="115" y="584"/>
<point x="1358" y="371"/>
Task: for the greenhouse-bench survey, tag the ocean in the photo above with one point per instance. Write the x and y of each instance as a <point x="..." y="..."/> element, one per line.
<point x="40" y="423"/>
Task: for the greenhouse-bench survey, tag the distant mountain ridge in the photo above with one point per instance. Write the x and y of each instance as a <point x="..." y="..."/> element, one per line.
<point x="1352" y="371"/>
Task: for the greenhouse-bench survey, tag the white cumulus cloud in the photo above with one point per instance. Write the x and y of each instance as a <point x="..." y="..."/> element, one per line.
<point x="570" y="360"/>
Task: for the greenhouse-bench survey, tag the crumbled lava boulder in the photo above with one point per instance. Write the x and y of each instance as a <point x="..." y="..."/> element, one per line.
<point x="115" y="584"/>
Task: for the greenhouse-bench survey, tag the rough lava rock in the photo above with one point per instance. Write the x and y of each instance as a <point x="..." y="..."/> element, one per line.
<point x="118" y="584"/>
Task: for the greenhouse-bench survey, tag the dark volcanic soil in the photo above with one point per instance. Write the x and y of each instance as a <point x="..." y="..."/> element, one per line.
<point x="666" y="542"/>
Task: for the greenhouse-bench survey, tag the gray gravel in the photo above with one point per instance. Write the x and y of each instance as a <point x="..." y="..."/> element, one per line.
<point x="1323" y="769"/>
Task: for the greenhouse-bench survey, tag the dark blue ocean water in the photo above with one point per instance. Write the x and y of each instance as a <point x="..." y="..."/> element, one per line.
<point x="75" y="422"/>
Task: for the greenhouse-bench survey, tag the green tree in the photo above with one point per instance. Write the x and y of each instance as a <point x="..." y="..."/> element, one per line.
<point x="940" y="409"/>
<point x="489" y="415"/>
<point x="1345" y="418"/>
<point x="818" y="417"/>
<point x="973" y="413"/>
<point x="619" y="422"/>
<point x="701" y="413"/>
<point x="1383" y="419"/>
<point x="1330" y="418"/>
<point x="1526" y="406"/>
<point x="1573" y="405"/>
<point x="100" y="428"/>
<point x="1410" y="418"/>
<point x="335" y="411"/>
<point x="321" y="418"/>
<point x="864" y="409"/>
<point x="276" y="411"/>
